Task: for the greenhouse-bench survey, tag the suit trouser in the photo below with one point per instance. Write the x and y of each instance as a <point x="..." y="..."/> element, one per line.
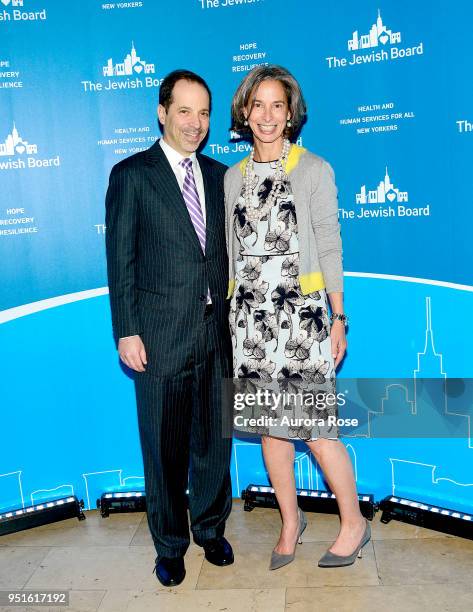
<point x="183" y="446"/>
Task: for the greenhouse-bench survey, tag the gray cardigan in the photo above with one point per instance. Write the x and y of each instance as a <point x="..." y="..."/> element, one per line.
<point x="315" y="199"/>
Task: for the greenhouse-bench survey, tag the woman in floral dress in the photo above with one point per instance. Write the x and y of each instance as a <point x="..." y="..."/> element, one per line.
<point x="285" y="257"/>
<point x="278" y="332"/>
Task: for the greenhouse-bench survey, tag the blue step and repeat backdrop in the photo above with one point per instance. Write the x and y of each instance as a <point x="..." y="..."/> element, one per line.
<point x="390" y="98"/>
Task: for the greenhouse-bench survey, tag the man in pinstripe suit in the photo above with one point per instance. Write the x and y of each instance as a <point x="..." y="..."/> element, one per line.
<point x="168" y="278"/>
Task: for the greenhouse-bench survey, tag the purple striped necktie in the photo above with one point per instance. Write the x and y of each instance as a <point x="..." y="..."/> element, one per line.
<point x="192" y="200"/>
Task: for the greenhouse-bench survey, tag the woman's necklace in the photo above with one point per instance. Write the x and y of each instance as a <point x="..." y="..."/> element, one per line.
<point x="256" y="213"/>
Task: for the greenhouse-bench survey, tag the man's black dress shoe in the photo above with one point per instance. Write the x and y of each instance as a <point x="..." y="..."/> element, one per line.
<point x="218" y="551"/>
<point x="170" y="572"/>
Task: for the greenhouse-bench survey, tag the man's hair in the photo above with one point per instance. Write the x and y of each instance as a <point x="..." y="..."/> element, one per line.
<point x="167" y="86"/>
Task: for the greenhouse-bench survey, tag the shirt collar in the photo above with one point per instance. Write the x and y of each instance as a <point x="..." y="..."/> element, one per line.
<point x="174" y="157"/>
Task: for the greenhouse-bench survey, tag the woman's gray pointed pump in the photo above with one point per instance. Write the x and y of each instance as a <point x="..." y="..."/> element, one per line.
<point x="278" y="560"/>
<point x="329" y="559"/>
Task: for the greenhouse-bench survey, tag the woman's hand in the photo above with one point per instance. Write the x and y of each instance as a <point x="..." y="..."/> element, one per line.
<point x="339" y="341"/>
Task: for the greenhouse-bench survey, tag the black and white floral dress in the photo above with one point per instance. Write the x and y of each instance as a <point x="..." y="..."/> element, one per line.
<point x="281" y="338"/>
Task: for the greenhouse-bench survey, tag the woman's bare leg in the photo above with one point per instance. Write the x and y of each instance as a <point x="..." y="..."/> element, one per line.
<point x="333" y="458"/>
<point x="278" y="456"/>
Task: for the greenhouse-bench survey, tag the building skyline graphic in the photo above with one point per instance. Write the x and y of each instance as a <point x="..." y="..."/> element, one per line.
<point x="384" y="192"/>
<point x="406" y="471"/>
<point x="12" y="2"/>
<point x="15" y="145"/>
<point x="377" y="35"/>
<point x="426" y="404"/>
<point x="132" y="64"/>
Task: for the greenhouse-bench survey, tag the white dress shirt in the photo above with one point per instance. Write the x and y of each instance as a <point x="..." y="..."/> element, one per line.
<point x="174" y="158"/>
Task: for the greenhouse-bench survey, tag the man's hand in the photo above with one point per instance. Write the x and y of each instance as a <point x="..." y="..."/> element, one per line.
<point x="132" y="352"/>
<point x="339" y="341"/>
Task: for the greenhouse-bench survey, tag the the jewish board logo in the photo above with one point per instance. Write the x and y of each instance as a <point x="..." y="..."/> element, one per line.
<point x="378" y="44"/>
<point x="378" y="35"/>
<point x="216" y="4"/>
<point x="236" y="145"/>
<point x="384" y="192"/>
<point x="464" y="126"/>
<point x="131" y="73"/>
<point x="16" y="153"/>
<point x="384" y="200"/>
<point x="13" y="12"/>
<point x="132" y="64"/>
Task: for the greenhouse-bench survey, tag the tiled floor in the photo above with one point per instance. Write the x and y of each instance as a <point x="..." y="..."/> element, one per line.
<point x="107" y="564"/>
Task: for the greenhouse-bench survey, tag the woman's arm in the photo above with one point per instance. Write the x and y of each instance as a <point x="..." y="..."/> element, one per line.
<point x="324" y="213"/>
<point x="337" y="332"/>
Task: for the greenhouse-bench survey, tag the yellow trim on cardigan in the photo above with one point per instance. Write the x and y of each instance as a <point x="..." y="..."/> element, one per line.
<point x="243" y="163"/>
<point x="231" y="288"/>
<point x="314" y="281"/>
<point x="295" y="153"/>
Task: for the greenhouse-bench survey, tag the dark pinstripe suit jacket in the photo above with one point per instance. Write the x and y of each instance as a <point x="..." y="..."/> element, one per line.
<point x="158" y="276"/>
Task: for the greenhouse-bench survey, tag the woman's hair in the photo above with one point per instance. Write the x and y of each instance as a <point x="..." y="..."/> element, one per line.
<point x="250" y="84"/>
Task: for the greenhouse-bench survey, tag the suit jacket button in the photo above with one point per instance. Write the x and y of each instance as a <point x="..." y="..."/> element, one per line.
<point x="202" y="298"/>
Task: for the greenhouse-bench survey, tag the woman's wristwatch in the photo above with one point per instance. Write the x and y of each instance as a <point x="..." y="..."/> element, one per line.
<point x="340" y="317"/>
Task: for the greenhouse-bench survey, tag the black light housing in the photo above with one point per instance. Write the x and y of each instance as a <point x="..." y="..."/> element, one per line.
<point x="41" y="514"/>
<point x="114" y="502"/>
<point x="429" y="516"/>
<point x="307" y="499"/>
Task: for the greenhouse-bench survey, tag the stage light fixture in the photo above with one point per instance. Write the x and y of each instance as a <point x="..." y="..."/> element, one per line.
<point x="41" y="514"/>
<point x="430" y="516"/>
<point x="114" y="502"/>
<point x="307" y="499"/>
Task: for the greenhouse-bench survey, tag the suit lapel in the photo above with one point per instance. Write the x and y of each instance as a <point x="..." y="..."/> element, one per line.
<point x="164" y="177"/>
<point x="210" y="186"/>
